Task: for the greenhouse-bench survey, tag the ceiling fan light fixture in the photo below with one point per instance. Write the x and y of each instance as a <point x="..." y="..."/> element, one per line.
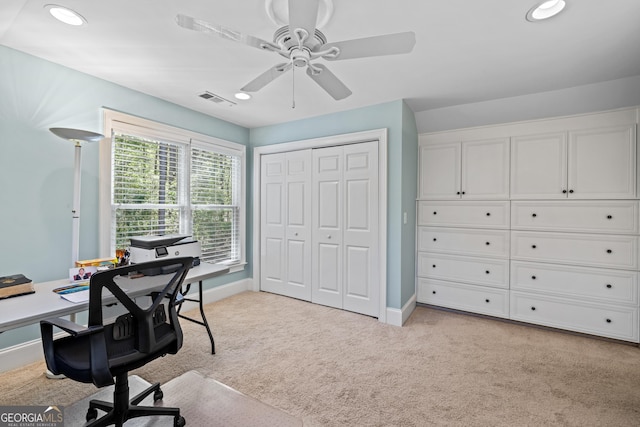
<point x="66" y="15"/>
<point x="545" y="10"/>
<point x="242" y="96"/>
<point x="278" y="12"/>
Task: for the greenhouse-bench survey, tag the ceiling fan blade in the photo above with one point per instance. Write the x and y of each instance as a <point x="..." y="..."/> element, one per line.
<point x="389" y="44"/>
<point x="226" y="33"/>
<point x="303" y="14"/>
<point x="328" y="81"/>
<point x="267" y="77"/>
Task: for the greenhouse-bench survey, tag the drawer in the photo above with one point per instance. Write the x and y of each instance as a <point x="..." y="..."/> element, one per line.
<point x="597" y="284"/>
<point x="464" y="214"/>
<point x="480" y="271"/>
<point x="613" y="321"/>
<point x="614" y="217"/>
<point x="464" y="241"/>
<point x="580" y="249"/>
<point x="476" y="299"/>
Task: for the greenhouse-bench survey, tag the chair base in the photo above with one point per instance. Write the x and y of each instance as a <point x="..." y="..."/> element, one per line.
<point x="123" y="409"/>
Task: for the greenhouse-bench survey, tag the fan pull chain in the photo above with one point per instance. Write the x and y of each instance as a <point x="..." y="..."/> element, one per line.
<point x="293" y="87"/>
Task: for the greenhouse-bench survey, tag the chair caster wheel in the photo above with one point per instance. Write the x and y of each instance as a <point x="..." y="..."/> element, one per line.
<point x="158" y="395"/>
<point x="92" y="414"/>
<point x="179" y="421"/>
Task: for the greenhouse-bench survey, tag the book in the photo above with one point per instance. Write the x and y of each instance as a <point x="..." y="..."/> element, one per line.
<point x="75" y="292"/>
<point x="15" y="285"/>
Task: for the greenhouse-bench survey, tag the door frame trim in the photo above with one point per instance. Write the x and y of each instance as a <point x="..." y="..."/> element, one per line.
<point x="379" y="135"/>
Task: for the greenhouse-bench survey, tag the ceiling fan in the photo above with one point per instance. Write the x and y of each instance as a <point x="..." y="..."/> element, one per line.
<point x="301" y="42"/>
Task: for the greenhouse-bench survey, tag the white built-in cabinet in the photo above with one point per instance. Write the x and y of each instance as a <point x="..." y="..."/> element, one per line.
<point x="551" y="237"/>
<point x="319" y="233"/>
<point x="465" y="170"/>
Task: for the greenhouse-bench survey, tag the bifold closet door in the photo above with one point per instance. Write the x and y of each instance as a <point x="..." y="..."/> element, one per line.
<point x="345" y="227"/>
<point x="285" y="243"/>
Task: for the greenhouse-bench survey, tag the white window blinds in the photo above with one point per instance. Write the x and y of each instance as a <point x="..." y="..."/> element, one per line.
<point x="163" y="187"/>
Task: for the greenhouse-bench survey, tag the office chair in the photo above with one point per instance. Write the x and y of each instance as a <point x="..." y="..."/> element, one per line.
<point x="102" y="351"/>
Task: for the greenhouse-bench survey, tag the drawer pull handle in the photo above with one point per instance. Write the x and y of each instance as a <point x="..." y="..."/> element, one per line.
<point x="434" y="266"/>
<point x="609" y="286"/>
<point x="608" y="320"/>
<point x="609" y="217"/>
<point x="487" y="243"/>
<point x="435" y="213"/>
<point x="487" y="300"/>
<point x="533" y="309"/>
<point x="435" y="240"/>
<point x="488" y="213"/>
<point x="533" y="246"/>
<point x="534" y="215"/>
<point x="487" y="272"/>
<point x="433" y="292"/>
<point x="533" y="277"/>
<point x="609" y="251"/>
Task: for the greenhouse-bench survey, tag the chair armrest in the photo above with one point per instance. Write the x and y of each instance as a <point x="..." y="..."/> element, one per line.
<point x="71" y="327"/>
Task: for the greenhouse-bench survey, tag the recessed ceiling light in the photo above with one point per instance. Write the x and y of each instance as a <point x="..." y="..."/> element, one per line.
<point x="242" y="96"/>
<point x="545" y="10"/>
<point x="66" y="15"/>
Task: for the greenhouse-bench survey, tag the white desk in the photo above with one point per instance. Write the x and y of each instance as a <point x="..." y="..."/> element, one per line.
<point x="29" y="309"/>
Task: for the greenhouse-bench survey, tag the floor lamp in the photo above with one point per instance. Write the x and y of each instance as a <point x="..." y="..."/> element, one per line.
<point x="76" y="136"/>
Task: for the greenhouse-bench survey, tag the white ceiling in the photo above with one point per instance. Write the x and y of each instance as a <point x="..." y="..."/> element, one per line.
<point x="466" y="51"/>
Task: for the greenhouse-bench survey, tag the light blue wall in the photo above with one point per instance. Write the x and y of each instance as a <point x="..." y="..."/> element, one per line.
<point x="36" y="167"/>
<point x="402" y="154"/>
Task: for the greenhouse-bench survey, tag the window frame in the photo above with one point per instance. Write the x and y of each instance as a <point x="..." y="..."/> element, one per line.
<point x="114" y="121"/>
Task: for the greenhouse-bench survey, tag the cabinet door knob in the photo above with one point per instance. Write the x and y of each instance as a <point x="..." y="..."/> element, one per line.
<point x="609" y="217"/>
<point x="328" y="236"/>
<point x="609" y="286"/>
<point x="533" y="246"/>
<point x="609" y="251"/>
<point x="458" y="193"/>
<point x="533" y="277"/>
<point x="570" y="191"/>
<point x="463" y="192"/>
<point x="564" y="191"/>
<point x="534" y="215"/>
<point x="295" y="234"/>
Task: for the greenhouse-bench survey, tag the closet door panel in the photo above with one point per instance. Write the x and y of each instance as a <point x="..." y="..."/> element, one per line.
<point x="273" y="247"/>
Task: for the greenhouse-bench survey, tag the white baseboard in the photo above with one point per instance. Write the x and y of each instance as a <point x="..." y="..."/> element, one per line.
<point x="397" y="317"/>
<point x="31" y="351"/>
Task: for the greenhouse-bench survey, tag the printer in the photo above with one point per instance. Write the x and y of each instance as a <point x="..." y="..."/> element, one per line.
<point x="149" y="248"/>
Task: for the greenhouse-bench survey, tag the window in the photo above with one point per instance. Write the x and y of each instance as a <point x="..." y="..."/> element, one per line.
<point x="165" y="180"/>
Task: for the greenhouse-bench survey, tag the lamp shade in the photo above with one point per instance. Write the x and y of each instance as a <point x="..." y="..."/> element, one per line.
<point x="76" y="134"/>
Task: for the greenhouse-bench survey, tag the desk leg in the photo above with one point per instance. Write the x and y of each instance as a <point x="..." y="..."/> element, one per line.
<point x="204" y="318"/>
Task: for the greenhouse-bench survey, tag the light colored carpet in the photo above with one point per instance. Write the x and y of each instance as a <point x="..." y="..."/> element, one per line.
<point x="334" y="368"/>
<point x="228" y="407"/>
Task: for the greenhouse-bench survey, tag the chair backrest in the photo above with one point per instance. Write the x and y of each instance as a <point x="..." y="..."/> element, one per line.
<point x="141" y="321"/>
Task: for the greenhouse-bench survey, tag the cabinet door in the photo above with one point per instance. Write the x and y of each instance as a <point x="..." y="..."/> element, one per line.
<point x="485" y="169"/>
<point x="440" y="171"/>
<point x="539" y="166"/>
<point x="602" y="163"/>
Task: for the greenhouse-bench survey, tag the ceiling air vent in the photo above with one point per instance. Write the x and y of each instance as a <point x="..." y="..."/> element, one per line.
<point x="216" y="98"/>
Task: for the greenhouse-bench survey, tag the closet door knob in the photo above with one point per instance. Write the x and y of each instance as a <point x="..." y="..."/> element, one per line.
<point x="328" y="236"/>
<point x="608" y="285"/>
<point x="534" y="215"/>
<point x="609" y="217"/>
<point x="295" y="234"/>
